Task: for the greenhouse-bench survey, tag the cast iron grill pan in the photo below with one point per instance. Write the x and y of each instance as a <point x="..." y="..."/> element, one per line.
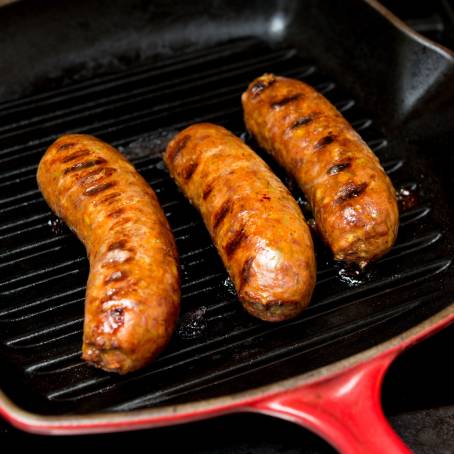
<point x="218" y="348"/>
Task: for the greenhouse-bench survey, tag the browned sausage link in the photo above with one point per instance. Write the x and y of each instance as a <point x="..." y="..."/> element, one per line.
<point x="133" y="290"/>
<point x="253" y="220"/>
<point x="352" y="198"/>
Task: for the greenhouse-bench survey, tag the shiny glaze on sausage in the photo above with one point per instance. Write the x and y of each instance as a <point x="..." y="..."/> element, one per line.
<point x="352" y="198"/>
<point x="256" y="225"/>
<point x="133" y="289"/>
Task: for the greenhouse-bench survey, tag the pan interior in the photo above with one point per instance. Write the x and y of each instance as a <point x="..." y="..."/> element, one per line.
<point x="218" y="349"/>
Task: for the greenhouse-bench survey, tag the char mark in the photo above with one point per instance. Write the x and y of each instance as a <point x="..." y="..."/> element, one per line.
<point x="108" y="199"/>
<point x="220" y="215"/>
<point x="75" y="155"/>
<point x="116" y="213"/>
<point x="120" y="222"/>
<point x="120" y="244"/>
<point x="302" y="121"/>
<point x="116" y="276"/>
<point x="97" y="189"/>
<point x="208" y="190"/>
<point x="324" y="141"/>
<point x="284" y="101"/>
<point x="89" y="177"/>
<point x="178" y="147"/>
<point x="234" y="243"/>
<point x="84" y="165"/>
<point x="66" y="146"/>
<point x="334" y="170"/>
<point x="189" y="170"/>
<point x="350" y="191"/>
<point x="246" y="272"/>
<point x="261" y="85"/>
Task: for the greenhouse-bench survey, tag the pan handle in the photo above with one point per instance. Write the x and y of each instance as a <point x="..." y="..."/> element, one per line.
<point x="344" y="409"/>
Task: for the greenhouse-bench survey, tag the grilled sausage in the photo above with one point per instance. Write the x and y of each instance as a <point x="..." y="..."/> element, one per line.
<point x="353" y="200"/>
<point x="133" y="290"/>
<point x="253" y="220"/>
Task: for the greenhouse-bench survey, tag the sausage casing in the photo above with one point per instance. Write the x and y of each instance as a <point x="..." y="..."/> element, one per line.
<point x="353" y="201"/>
<point x="255" y="224"/>
<point x="133" y="289"/>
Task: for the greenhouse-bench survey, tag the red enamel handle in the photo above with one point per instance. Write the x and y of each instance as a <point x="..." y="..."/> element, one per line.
<point x="344" y="409"/>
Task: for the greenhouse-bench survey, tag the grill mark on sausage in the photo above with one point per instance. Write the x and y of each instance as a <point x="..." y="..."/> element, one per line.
<point x="246" y="272"/>
<point x="234" y="243"/>
<point x="94" y="190"/>
<point x="189" y="170"/>
<point x="116" y="214"/>
<point x="116" y="276"/>
<point x="108" y="171"/>
<point x="337" y="168"/>
<point x="302" y="121"/>
<point x="324" y="141"/>
<point x="84" y="165"/>
<point x="66" y="146"/>
<point x="261" y="85"/>
<point x="92" y="173"/>
<point x="208" y="190"/>
<point x="75" y="155"/>
<point x="121" y="222"/>
<point x="178" y="147"/>
<point x="220" y="215"/>
<point x="108" y="199"/>
<point x="118" y="252"/>
<point x="284" y="101"/>
<point x="350" y="191"/>
<point x="120" y="244"/>
<point x="90" y="176"/>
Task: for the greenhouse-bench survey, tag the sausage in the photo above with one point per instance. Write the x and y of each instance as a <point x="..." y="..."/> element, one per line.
<point x="353" y="201"/>
<point x="256" y="225"/>
<point x="133" y="290"/>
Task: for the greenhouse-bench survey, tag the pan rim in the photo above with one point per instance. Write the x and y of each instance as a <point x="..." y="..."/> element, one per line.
<point x="444" y="51"/>
<point x="104" y="422"/>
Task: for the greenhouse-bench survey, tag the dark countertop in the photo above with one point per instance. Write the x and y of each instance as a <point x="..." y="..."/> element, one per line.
<point x="418" y="396"/>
